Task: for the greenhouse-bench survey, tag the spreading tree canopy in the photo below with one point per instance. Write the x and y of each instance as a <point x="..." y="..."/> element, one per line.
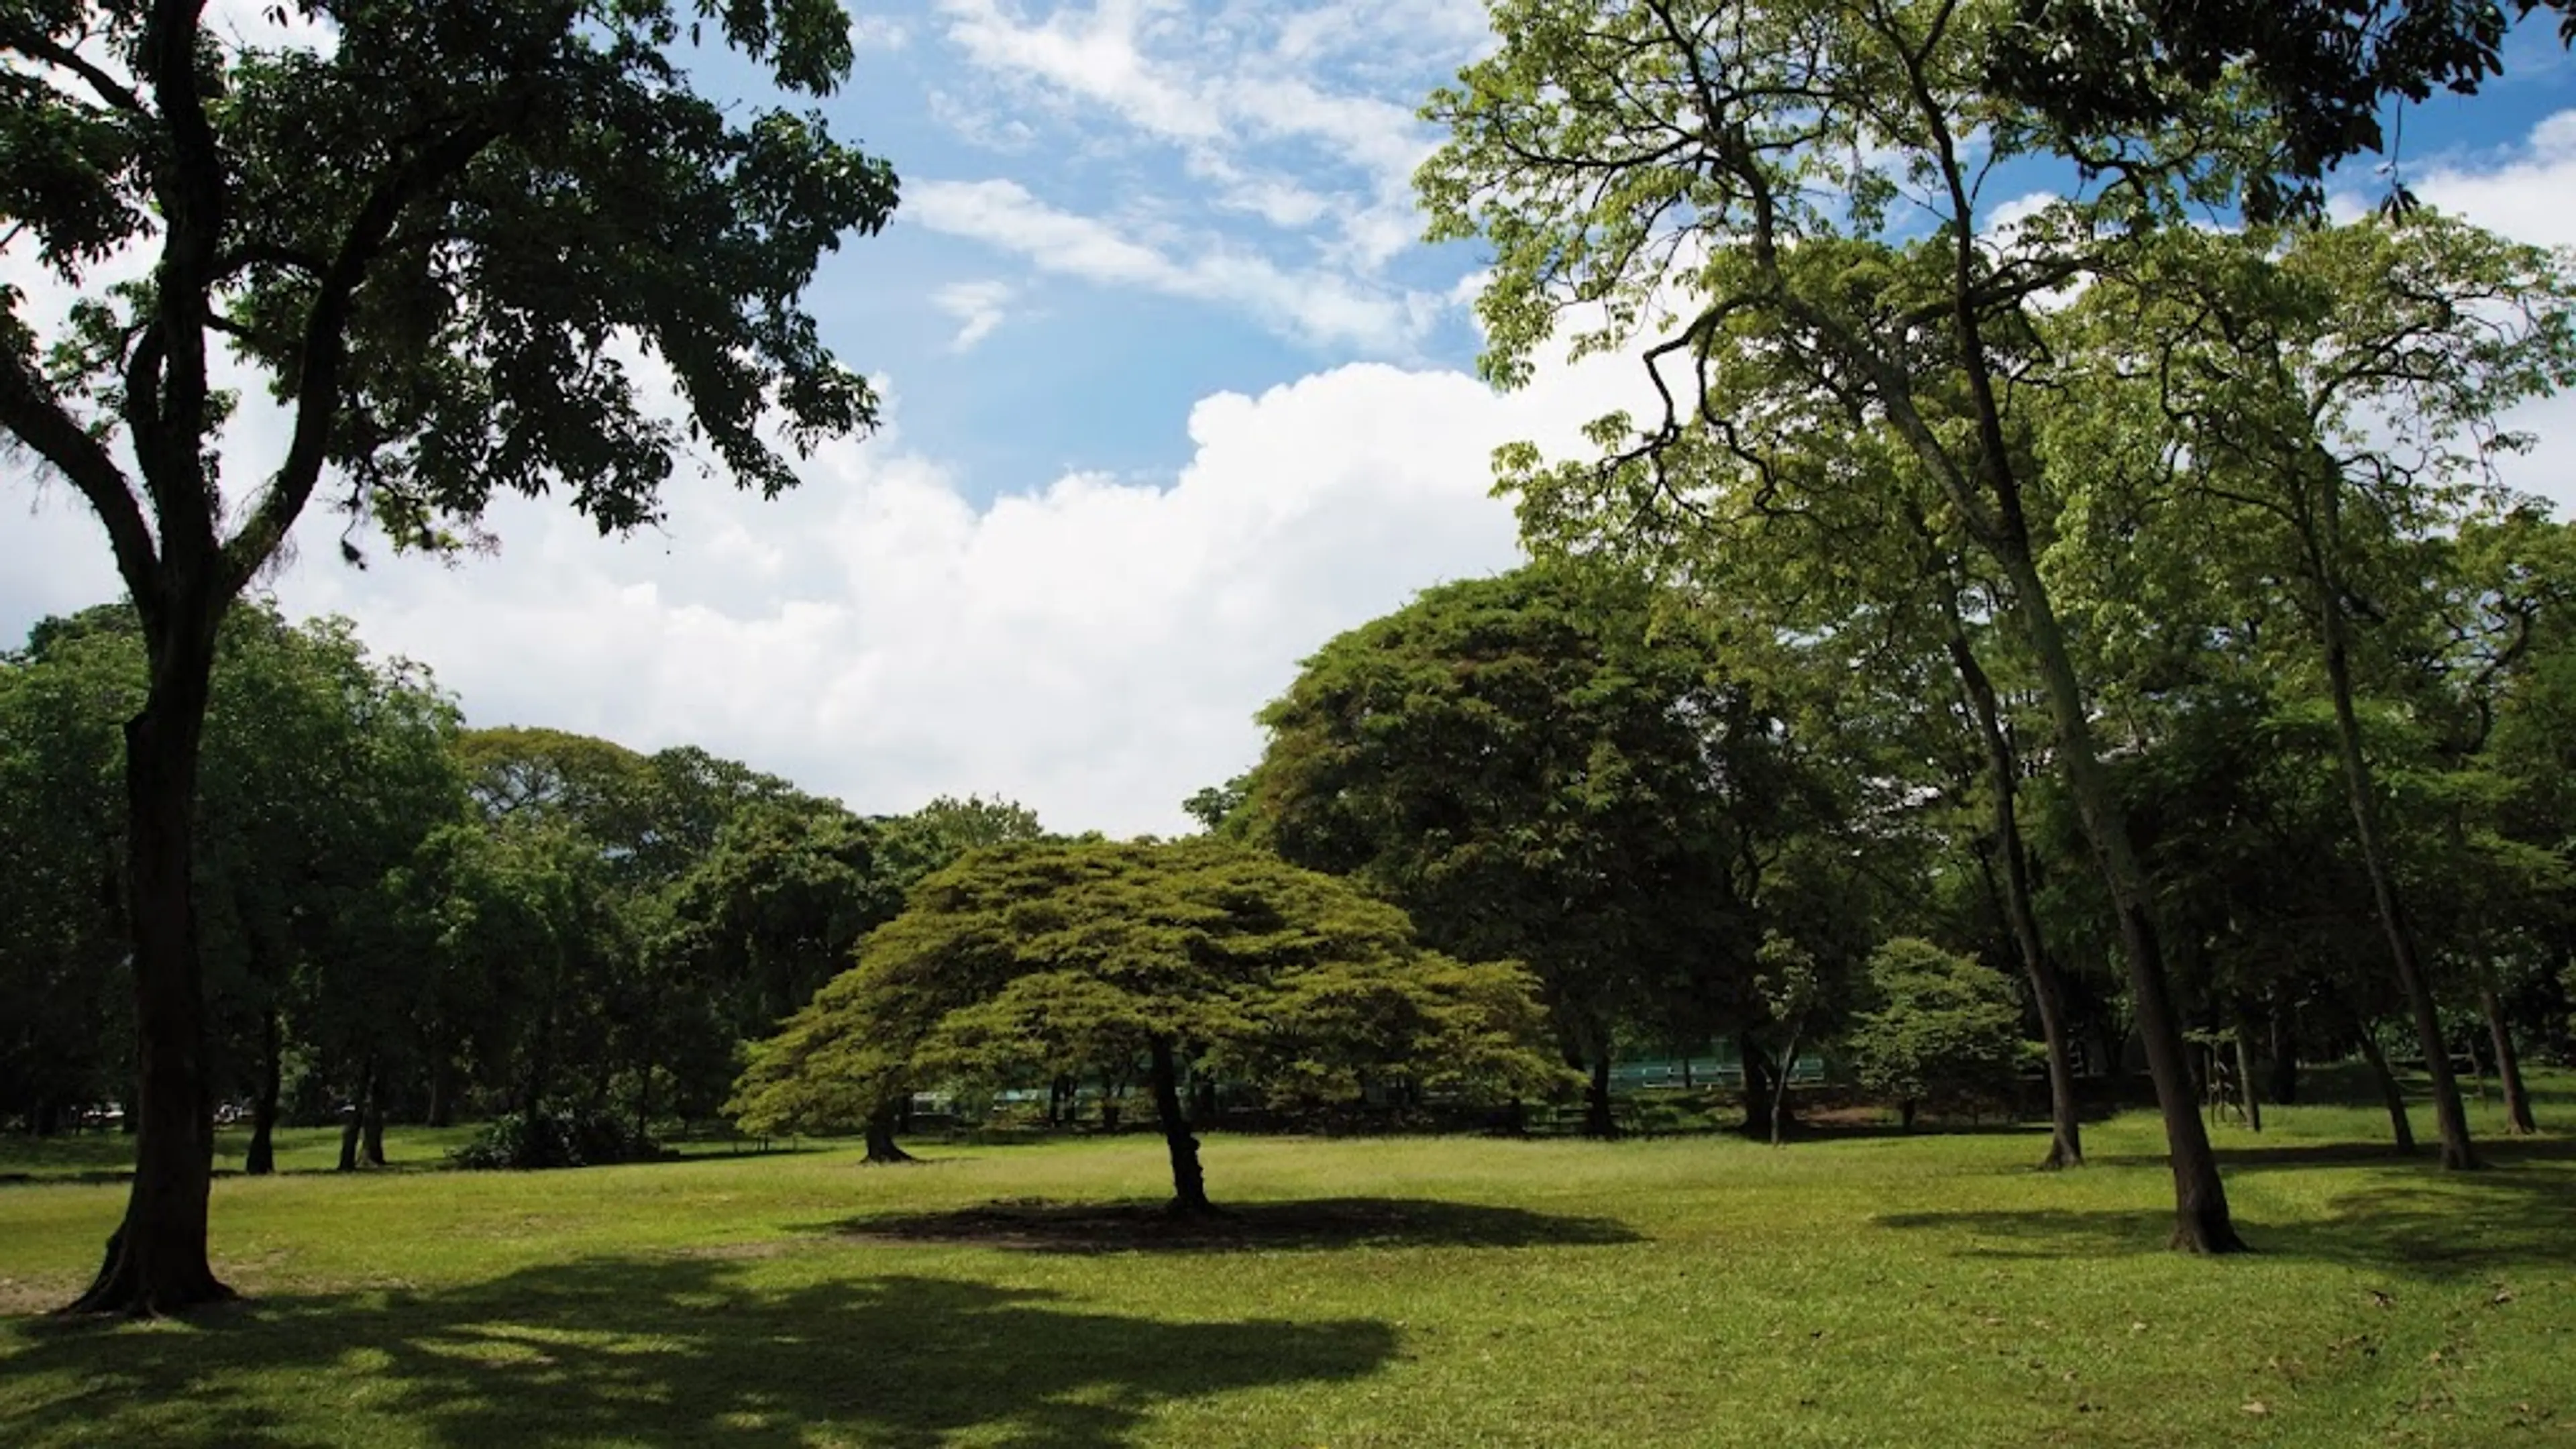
<point x="1195" y="957"/>
<point x="437" y="234"/>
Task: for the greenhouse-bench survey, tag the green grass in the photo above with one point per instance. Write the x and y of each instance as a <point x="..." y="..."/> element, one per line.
<point x="1864" y="1289"/>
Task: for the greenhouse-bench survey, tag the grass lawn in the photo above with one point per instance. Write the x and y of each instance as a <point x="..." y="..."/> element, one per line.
<point x="1860" y="1289"/>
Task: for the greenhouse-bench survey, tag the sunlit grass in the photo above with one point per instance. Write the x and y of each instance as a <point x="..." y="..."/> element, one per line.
<point x="1699" y="1290"/>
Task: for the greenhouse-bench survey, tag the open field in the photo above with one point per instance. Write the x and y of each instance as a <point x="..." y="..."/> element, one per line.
<point x="1861" y="1289"/>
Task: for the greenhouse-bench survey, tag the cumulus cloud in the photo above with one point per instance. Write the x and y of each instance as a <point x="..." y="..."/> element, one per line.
<point x="1096" y="648"/>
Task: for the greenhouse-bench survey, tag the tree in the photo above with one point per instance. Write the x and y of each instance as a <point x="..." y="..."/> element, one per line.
<point x="2334" y="394"/>
<point x="1945" y="1027"/>
<point x="1198" y="958"/>
<point x="1792" y="989"/>
<point x="434" y="238"/>
<point x="1536" y="768"/>
<point x="1787" y="198"/>
<point x="2325" y="69"/>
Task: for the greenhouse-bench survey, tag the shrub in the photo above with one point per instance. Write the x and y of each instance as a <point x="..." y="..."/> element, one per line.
<point x="552" y="1137"/>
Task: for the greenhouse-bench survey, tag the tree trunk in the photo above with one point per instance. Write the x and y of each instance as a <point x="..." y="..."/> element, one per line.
<point x="882" y="1148"/>
<point x="1189" y="1184"/>
<point x="2517" y="1102"/>
<point x="1757" y="1083"/>
<point x="442" y="1086"/>
<point x="1780" y="1093"/>
<point x="371" y="1143"/>
<point x="2201" y="1220"/>
<point x="2400" y="1129"/>
<point x="2284" y="1059"/>
<point x="262" y="1158"/>
<point x="2251" y="1100"/>
<point x="1599" y="1122"/>
<point x="1905" y="1114"/>
<point x="155" y="1261"/>
<point x="2360" y="794"/>
<point x="2003" y="775"/>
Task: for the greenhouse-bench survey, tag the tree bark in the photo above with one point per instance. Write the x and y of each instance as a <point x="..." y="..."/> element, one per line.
<point x="2284" y="1059"/>
<point x="2201" y="1220"/>
<point x="1600" y="1122"/>
<point x="262" y="1158"/>
<point x="883" y="1150"/>
<point x="155" y="1261"/>
<point x="2517" y="1102"/>
<point x="2003" y="775"/>
<point x="371" y="1141"/>
<point x="2247" y="1096"/>
<point x="2360" y="792"/>
<point x="2401" y="1131"/>
<point x="1189" y="1184"/>
<point x="1757" y="1083"/>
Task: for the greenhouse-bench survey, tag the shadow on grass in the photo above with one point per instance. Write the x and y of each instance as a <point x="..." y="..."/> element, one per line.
<point x="660" y="1351"/>
<point x="2497" y="1152"/>
<point x="2407" y="1218"/>
<point x="1037" y="1225"/>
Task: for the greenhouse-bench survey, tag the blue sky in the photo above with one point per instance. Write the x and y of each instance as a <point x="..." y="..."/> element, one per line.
<point x="1111" y="212"/>
<point x="1177" y="394"/>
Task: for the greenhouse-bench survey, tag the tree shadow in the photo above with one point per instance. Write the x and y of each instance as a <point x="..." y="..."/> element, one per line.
<point x="2408" y="1218"/>
<point x="2497" y="1152"/>
<point x="1314" y="1224"/>
<point x="666" y="1351"/>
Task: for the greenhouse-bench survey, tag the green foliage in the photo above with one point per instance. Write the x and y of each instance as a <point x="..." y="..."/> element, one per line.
<point x="1033" y="959"/>
<point x="528" y="1141"/>
<point x="1543" y="767"/>
<point x="1946" y="1027"/>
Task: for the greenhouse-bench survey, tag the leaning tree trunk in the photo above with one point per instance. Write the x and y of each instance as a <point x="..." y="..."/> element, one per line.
<point x="2400" y="1130"/>
<point x="156" y="1260"/>
<point x="2517" y="1102"/>
<point x="262" y="1158"/>
<point x="1189" y="1184"/>
<point x="882" y="1148"/>
<point x="2201" y="1220"/>
<point x="2066" y="1131"/>
<point x="2247" y="1097"/>
<point x="2360" y="793"/>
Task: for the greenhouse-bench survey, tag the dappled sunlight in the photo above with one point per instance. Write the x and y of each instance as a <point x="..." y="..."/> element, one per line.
<point x="661" y="1350"/>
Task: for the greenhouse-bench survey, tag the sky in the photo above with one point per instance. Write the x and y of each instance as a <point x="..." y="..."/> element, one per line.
<point x="1176" y="393"/>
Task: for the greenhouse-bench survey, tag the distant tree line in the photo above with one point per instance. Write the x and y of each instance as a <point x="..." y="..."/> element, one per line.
<point x="408" y="920"/>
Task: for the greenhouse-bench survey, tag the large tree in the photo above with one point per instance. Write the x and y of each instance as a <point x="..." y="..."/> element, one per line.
<point x="433" y="233"/>
<point x="1536" y="767"/>
<point x="1786" y="205"/>
<point x="2328" y="70"/>
<point x="2328" y="401"/>
<point x="1194" y="958"/>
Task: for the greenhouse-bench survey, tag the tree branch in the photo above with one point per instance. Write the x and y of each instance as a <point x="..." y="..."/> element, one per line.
<point x="33" y="415"/>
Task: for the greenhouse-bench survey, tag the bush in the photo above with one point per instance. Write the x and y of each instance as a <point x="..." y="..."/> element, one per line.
<point x="555" y="1138"/>
<point x="1946" y="1028"/>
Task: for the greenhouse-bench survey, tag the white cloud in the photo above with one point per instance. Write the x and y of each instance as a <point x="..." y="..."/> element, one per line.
<point x="2530" y="196"/>
<point x="979" y="307"/>
<point x="1319" y="306"/>
<point x="1096" y="648"/>
<point x="1248" y="97"/>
